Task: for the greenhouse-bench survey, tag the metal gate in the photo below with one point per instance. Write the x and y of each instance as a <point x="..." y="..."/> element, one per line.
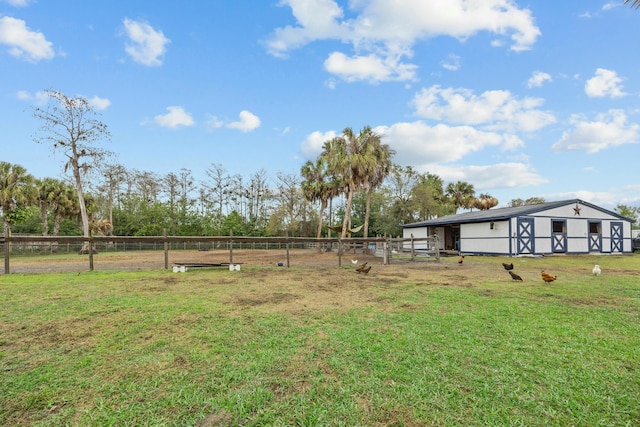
<point x="595" y="239"/>
<point x="525" y="236"/>
<point x="616" y="237"/>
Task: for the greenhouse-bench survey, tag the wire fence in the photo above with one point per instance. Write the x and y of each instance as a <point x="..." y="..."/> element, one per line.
<point x="390" y="250"/>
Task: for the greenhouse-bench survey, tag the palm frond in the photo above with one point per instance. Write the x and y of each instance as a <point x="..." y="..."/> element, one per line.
<point x="634" y="3"/>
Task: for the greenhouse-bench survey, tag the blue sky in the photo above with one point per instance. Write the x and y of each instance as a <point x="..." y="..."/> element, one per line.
<point x="521" y="99"/>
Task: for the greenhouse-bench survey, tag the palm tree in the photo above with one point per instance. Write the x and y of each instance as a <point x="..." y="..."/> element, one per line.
<point x="318" y="186"/>
<point x="16" y="190"/>
<point x="377" y="174"/>
<point x="66" y="206"/>
<point x="48" y="192"/>
<point x="634" y="3"/>
<point x="349" y="157"/>
<point x="485" y="202"/>
<point x="461" y="193"/>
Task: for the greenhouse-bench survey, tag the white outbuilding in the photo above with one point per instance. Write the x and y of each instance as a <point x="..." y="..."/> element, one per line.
<point x="562" y="227"/>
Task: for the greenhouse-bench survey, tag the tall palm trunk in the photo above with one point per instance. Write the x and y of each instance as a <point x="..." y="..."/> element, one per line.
<point x="367" y="212"/>
<point x="44" y="225"/>
<point x="323" y="206"/>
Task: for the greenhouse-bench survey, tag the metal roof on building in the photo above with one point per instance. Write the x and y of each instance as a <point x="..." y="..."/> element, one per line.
<point x="501" y="214"/>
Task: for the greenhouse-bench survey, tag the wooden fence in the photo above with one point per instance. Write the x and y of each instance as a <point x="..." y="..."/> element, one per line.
<point x="396" y="249"/>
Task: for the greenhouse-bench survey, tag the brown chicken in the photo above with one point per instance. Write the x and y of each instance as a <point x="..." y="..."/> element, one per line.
<point x="461" y="259"/>
<point x="362" y="267"/>
<point x="365" y="270"/>
<point x="547" y="277"/>
<point x="507" y="266"/>
<point x="514" y="276"/>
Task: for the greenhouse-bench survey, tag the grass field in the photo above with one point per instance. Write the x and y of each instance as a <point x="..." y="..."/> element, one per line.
<point x="436" y="344"/>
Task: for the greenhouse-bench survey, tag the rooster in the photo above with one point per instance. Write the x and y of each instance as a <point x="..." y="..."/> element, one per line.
<point x="514" y="276"/>
<point x="596" y="270"/>
<point x="547" y="277"/>
<point x="365" y="270"/>
<point x="507" y="266"/>
<point x="361" y="268"/>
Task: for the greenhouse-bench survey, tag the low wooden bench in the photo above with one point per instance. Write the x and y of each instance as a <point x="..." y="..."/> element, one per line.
<point x="181" y="267"/>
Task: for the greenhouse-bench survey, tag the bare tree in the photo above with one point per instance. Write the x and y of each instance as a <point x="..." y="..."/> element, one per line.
<point x="290" y="201"/>
<point x="217" y="189"/>
<point x="113" y="176"/>
<point x="71" y="125"/>
<point x="257" y="194"/>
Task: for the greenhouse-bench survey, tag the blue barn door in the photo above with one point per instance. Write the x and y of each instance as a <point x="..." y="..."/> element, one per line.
<point x="595" y="236"/>
<point x="559" y="236"/>
<point x="616" y="237"/>
<point x="525" y="236"/>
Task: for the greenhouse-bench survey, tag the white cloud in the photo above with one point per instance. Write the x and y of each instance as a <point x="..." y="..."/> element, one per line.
<point x="604" y="83"/>
<point x="175" y="118"/>
<point x="607" y="130"/>
<point x="146" y="45"/>
<point x="214" y="123"/>
<point x="381" y="33"/>
<point x="452" y="63"/>
<point x="495" y="110"/>
<point x="40" y="98"/>
<point x="419" y="143"/>
<point x="368" y="68"/>
<point x="22" y="42"/>
<point x="18" y="3"/>
<point x="248" y="122"/>
<point x="538" y="78"/>
<point x="312" y="146"/>
<point x="604" y="199"/>
<point x="23" y="95"/>
<point x="99" y="103"/>
<point x="489" y="177"/>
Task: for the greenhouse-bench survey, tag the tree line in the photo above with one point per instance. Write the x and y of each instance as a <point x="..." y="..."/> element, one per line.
<point x="352" y="188"/>
<point x="131" y="202"/>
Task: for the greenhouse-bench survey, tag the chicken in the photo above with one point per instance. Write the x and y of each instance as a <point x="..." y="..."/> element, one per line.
<point x="514" y="276"/>
<point x="354" y="261"/>
<point x="461" y="259"/>
<point x="596" y="270"/>
<point x="507" y="266"/>
<point x="362" y="267"/>
<point x="548" y="278"/>
<point x="365" y="270"/>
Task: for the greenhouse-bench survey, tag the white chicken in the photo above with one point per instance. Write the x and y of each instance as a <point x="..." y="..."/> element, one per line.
<point x="596" y="270"/>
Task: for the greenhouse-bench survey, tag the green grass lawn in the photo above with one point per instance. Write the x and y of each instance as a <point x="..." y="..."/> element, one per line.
<point x="431" y="346"/>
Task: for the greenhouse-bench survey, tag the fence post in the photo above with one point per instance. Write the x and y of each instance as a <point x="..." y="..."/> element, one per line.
<point x="287" y="246"/>
<point x="385" y="253"/>
<point x="339" y="251"/>
<point x="166" y="249"/>
<point x="90" y="252"/>
<point x="7" y="244"/>
<point x="413" y="254"/>
<point x="231" y="247"/>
